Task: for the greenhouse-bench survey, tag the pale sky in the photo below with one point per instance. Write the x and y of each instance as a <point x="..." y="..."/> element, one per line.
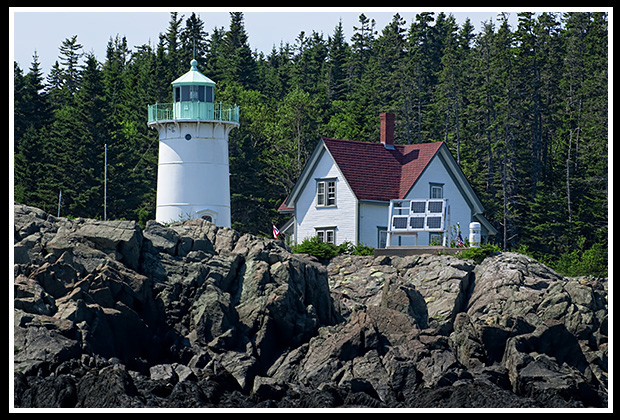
<point x="44" y="29"/>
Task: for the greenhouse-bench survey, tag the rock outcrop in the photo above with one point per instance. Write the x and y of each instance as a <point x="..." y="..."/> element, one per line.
<point x="107" y="314"/>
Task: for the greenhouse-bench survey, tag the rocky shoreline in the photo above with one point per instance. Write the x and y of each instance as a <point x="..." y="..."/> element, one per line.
<point x="110" y="315"/>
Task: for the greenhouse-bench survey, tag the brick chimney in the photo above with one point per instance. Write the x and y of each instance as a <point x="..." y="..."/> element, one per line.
<point x="387" y="129"/>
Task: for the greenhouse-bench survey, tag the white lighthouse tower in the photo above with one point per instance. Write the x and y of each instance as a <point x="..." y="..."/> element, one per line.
<point x="193" y="171"/>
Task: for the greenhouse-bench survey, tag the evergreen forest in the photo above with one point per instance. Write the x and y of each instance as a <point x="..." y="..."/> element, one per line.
<point x="524" y="111"/>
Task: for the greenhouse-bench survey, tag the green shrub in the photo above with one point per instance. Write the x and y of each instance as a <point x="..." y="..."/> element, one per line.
<point x="313" y="246"/>
<point x="360" y="249"/>
<point x="323" y="250"/>
<point x="478" y="253"/>
<point x="590" y="262"/>
<point x="578" y="262"/>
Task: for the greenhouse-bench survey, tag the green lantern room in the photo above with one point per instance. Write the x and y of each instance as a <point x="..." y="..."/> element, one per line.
<point x="193" y="95"/>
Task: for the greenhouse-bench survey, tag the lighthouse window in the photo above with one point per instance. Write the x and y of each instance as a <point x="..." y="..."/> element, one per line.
<point x="193" y="93"/>
<point x="197" y="93"/>
<point x="184" y="93"/>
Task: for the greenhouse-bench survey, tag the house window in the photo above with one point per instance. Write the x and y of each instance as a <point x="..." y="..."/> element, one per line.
<point x="436" y="190"/>
<point x="435" y="239"/>
<point x="326" y="234"/>
<point x="326" y="193"/>
<point x="382" y="236"/>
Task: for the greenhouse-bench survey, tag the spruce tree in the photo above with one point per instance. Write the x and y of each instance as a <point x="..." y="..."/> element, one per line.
<point x="238" y="63"/>
<point x="338" y="54"/>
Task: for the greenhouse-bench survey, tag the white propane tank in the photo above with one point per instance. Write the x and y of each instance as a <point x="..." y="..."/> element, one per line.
<point x="474" y="234"/>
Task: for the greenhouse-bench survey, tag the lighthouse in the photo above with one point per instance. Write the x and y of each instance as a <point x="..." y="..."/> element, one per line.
<point x="193" y="170"/>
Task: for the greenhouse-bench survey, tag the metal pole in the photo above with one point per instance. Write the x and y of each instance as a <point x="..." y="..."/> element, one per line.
<point x="388" y="239"/>
<point x="105" y="181"/>
<point x="59" y="199"/>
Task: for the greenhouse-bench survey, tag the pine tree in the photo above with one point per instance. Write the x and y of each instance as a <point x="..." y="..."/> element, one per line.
<point x="448" y="94"/>
<point x="337" y="75"/>
<point x="70" y="56"/>
<point x="174" y="57"/>
<point x="352" y="117"/>
<point x="293" y="137"/>
<point x="30" y="99"/>
<point x="309" y="64"/>
<point x="481" y="131"/>
<point x="238" y="63"/>
<point x="193" y="41"/>
<point x="63" y="79"/>
<point x="583" y="130"/>
<point x="276" y="72"/>
<point x="32" y="113"/>
<point x="385" y="82"/>
<point x="361" y="49"/>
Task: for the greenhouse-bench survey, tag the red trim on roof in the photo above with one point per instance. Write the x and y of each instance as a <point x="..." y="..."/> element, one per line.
<point x="284" y="208"/>
<point x="377" y="173"/>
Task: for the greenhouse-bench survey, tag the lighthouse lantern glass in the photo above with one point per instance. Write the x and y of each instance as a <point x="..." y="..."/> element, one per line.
<point x="193" y="93"/>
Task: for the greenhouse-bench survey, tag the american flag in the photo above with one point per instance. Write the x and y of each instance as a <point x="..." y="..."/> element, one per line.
<point x="460" y="240"/>
<point x="276" y="232"/>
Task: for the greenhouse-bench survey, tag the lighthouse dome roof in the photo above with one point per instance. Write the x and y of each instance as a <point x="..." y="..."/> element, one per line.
<point x="193" y="77"/>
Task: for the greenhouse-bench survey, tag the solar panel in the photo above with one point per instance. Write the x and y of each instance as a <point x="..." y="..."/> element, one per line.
<point x="399" y="222"/>
<point x="435" y="206"/>
<point x="419" y="214"/>
<point x="433" y="222"/>
<point x="417" y="222"/>
<point x="418" y="207"/>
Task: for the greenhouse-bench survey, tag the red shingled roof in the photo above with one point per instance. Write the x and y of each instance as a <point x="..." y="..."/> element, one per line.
<point x="377" y="173"/>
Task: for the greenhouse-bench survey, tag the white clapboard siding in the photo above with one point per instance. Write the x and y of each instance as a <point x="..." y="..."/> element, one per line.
<point x="342" y="216"/>
<point x="373" y="215"/>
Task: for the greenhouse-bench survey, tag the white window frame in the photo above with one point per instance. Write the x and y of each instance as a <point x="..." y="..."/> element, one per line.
<point x="381" y="236"/>
<point x="326" y="234"/>
<point x="436" y="237"/>
<point x="326" y="192"/>
<point x="436" y="190"/>
<point x="207" y="212"/>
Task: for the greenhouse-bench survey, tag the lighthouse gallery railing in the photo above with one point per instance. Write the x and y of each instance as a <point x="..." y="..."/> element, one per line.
<point x="206" y="111"/>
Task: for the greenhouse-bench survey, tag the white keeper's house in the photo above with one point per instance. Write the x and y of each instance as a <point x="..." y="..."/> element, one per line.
<point x="383" y="194"/>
